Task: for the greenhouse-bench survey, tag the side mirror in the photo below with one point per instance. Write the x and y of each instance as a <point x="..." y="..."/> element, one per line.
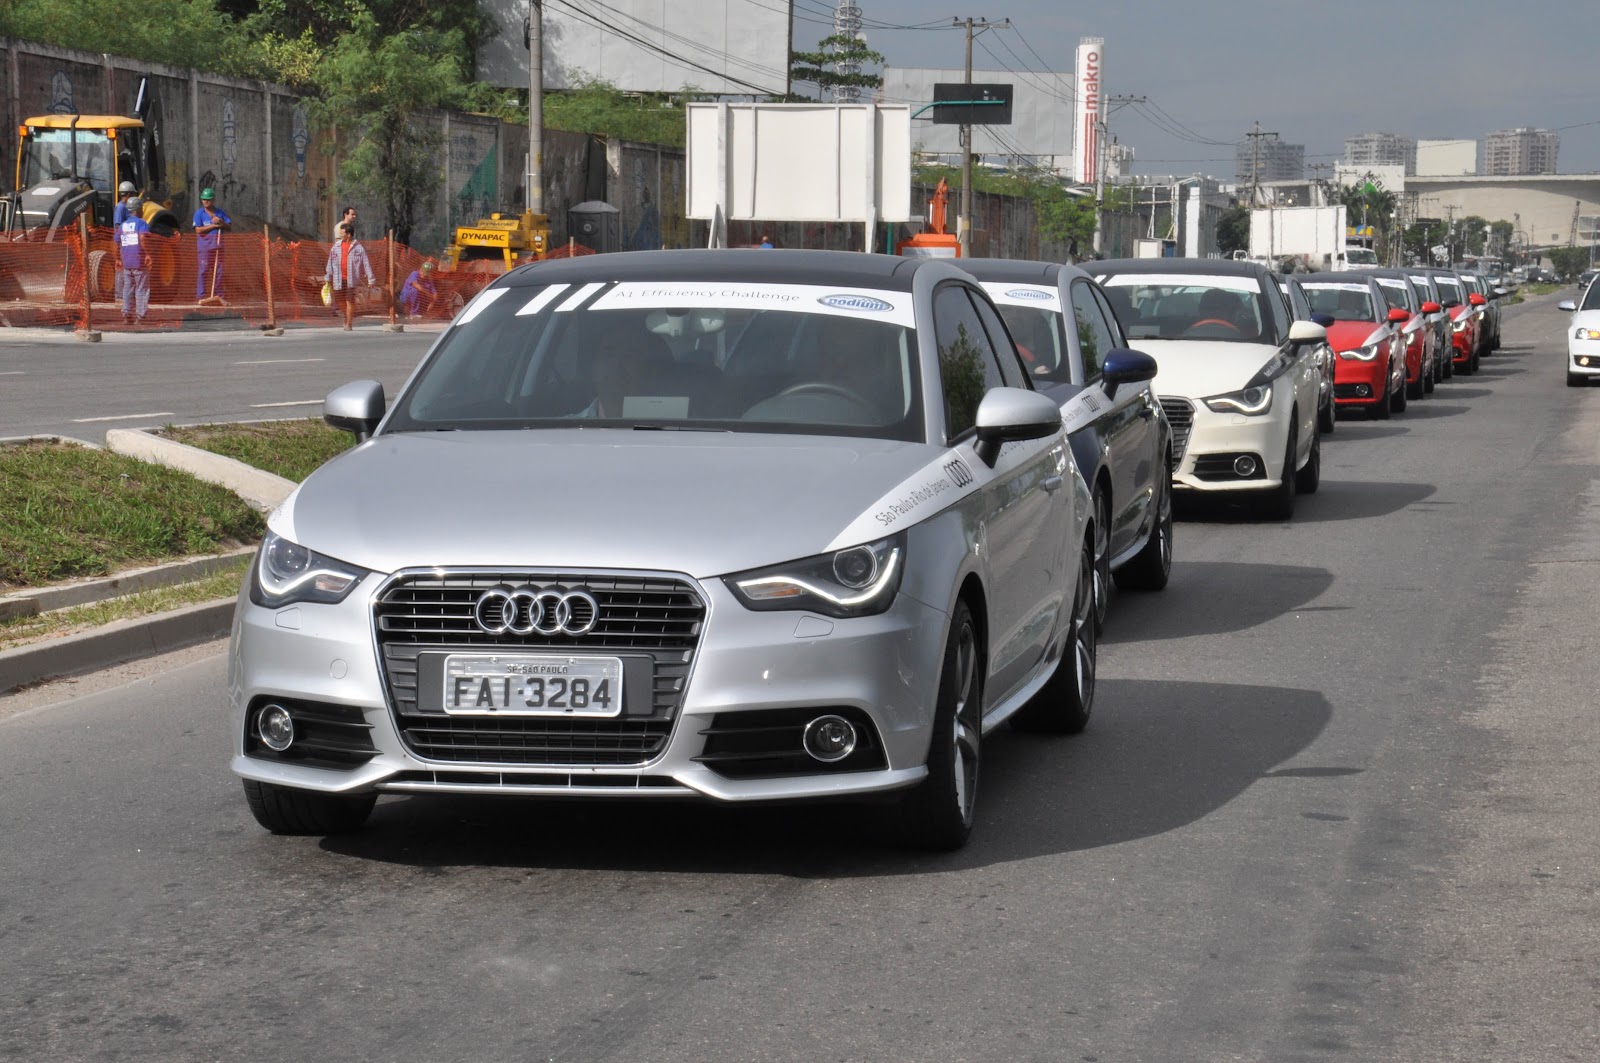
<point x="1431" y="307"/>
<point x="1307" y="332"/>
<point x="1568" y="305"/>
<point x="1008" y="414"/>
<point x="1451" y="304"/>
<point x="1399" y="315"/>
<point x="1325" y="320"/>
<point x="1475" y="299"/>
<point x="356" y="407"/>
<point x="1124" y="366"/>
<point x="1501" y="293"/>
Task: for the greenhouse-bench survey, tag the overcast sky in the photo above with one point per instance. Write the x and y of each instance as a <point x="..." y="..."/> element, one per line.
<point x="1315" y="72"/>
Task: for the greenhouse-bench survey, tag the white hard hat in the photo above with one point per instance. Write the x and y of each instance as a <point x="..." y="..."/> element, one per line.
<point x="126" y="187"/>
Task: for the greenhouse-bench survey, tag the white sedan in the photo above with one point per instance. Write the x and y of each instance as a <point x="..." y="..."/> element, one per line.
<point x="1583" y="336"/>
<point x="1238" y="378"/>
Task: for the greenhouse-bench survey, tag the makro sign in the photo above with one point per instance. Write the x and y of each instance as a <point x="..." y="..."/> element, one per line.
<point x="1090" y="110"/>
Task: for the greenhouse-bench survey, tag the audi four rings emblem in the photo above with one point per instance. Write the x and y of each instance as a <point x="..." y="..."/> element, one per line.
<point x="536" y="611"/>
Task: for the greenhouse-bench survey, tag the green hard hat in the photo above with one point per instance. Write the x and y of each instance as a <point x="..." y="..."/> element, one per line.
<point x="206" y="193"/>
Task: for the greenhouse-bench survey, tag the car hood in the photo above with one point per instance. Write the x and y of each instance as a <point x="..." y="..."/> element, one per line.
<point x="1582" y="319"/>
<point x="1347" y="335"/>
<point x="698" y="503"/>
<point x="1197" y="368"/>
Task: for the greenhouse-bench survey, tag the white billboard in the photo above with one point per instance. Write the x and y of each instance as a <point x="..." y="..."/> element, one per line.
<point x="1041" y="113"/>
<point x="1090" y="110"/>
<point x="1447" y="158"/>
<point x="724" y="47"/>
<point x="799" y="162"/>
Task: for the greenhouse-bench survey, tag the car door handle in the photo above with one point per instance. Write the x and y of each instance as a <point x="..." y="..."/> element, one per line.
<point x="1053" y="483"/>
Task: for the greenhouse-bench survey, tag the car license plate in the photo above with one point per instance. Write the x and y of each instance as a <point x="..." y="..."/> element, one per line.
<point x="525" y="684"/>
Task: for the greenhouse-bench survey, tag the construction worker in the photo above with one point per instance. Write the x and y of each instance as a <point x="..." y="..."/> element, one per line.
<point x="418" y="293"/>
<point x="124" y="192"/>
<point x="132" y="235"/>
<point x="210" y="222"/>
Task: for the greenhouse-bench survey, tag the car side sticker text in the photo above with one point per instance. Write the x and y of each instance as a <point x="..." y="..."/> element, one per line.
<point x="1082" y="409"/>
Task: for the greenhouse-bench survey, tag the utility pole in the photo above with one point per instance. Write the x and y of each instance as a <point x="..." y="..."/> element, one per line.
<point x="964" y="222"/>
<point x="1102" y="157"/>
<point x="535" y="40"/>
<point x="1255" y="164"/>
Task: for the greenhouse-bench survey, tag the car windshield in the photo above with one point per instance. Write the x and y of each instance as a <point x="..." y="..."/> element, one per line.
<point x="1342" y="302"/>
<point x="1450" y="290"/>
<point x="1424" y="289"/>
<point x="50" y="156"/>
<point x="675" y="356"/>
<point x="1040" y="341"/>
<point x="1167" y="307"/>
<point x="1591" y="298"/>
<point x="1361" y="256"/>
<point x="1397" y="293"/>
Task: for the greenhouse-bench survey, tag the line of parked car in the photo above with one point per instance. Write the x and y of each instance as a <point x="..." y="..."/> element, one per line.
<point x="780" y="525"/>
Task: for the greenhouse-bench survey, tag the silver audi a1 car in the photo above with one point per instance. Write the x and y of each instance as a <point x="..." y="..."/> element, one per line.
<point x="738" y="525"/>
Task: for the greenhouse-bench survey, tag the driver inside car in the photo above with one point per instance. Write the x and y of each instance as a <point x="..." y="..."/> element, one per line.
<point x="626" y="362"/>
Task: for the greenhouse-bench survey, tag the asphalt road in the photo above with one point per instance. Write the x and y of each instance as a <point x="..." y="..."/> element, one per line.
<point x="53" y="384"/>
<point x="1336" y="803"/>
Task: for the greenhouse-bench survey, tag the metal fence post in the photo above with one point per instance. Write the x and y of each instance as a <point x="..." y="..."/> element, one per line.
<point x="86" y="325"/>
<point x="272" y="328"/>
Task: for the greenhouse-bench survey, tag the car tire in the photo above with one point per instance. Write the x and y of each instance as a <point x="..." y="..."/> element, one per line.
<point x="1149" y="569"/>
<point x="1310" y="476"/>
<point x="1066" y="701"/>
<point x="1576" y="380"/>
<point x="1325" y="417"/>
<point x="1430" y="379"/>
<point x="284" y="810"/>
<point x="1397" y="396"/>
<point x="1449" y="366"/>
<point x="1102" y="560"/>
<point x="1474" y="361"/>
<point x="1381" y="410"/>
<point x="938" y="813"/>
<point x="1414" y="391"/>
<point x="1278" y="504"/>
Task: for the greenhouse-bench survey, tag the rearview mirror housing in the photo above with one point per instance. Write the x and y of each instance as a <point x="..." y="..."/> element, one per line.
<point x="1475" y="299"/>
<point x="1431" y="307"/>
<point x="356" y="407"/>
<point x="1008" y="414"/>
<point x="1325" y="320"/>
<point x="1399" y="315"/>
<point x="1307" y="332"/>
<point x="1126" y="366"/>
<point x="1568" y="305"/>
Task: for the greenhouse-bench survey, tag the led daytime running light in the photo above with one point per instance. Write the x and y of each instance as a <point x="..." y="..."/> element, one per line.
<point x="777" y="588"/>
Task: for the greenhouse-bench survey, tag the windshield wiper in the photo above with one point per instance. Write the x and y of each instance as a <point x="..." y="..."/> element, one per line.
<point x="676" y="428"/>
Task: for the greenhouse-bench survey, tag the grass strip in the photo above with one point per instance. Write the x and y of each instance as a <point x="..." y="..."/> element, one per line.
<point x="68" y="512"/>
<point x="224" y="584"/>
<point x="291" y="449"/>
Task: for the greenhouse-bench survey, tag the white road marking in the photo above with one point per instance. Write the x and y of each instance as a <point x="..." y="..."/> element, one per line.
<point x="13" y="372"/>
<point x="282" y="361"/>
<point x="274" y="405"/>
<point x="123" y="417"/>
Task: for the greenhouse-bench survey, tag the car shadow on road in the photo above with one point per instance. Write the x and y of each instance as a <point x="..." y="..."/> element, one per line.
<point x="1431" y="410"/>
<point x="1357" y="500"/>
<point x="1190" y="604"/>
<point x="1356" y="430"/>
<point x="1469" y="393"/>
<point x="1158" y="756"/>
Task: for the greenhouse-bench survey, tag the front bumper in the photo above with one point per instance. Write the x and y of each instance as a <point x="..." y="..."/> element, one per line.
<point x="882" y="670"/>
<point x="1359" y="385"/>
<point x="1218" y="440"/>
<point x="1463" y="343"/>
<point x="1583" y="356"/>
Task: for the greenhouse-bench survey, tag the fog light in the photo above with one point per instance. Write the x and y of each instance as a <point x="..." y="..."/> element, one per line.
<point x="1583" y="359"/>
<point x="276" y="728"/>
<point x="1244" y="465"/>
<point x="1363" y="391"/>
<point x="830" y="738"/>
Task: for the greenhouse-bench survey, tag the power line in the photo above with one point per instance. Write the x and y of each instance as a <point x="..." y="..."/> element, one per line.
<point x="590" y="18"/>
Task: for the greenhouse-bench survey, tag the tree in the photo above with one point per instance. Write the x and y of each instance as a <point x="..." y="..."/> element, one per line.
<point x="1065" y="219"/>
<point x="1568" y="262"/>
<point x="372" y="84"/>
<point x="819" y="67"/>
<point x="1233" y="231"/>
<point x="595" y="106"/>
<point x="1421" y="239"/>
<point x="1473" y="234"/>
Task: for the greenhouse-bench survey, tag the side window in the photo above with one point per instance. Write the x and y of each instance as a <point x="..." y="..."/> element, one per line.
<point x="1277" y="311"/>
<point x="1000" y="339"/>
<point x="967" y="366"/>
<point x="1095" y="337"/>
<point x="1118" y="338"/>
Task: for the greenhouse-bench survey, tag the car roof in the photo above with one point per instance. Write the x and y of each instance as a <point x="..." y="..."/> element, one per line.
<point x="749" y="265"/>
<point x="1345" y="277"/>
<point x="1018" y="271"/>
<point x="1208" y="267"/>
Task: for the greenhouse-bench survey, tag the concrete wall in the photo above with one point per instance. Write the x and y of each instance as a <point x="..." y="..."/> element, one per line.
<point x="1542" y="205"/>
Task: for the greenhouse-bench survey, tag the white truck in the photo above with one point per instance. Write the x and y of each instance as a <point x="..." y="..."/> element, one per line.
<point x="1299" y="238"/>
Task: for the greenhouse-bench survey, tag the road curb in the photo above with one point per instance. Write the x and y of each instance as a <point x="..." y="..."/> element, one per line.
<point x="113" y="644"/>
<point x="263" y="490"/>
<point x="63" y="596"/>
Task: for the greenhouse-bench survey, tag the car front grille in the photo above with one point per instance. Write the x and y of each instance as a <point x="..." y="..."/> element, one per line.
<point x="1180" y="414"/>
<point x="658" y="618"/>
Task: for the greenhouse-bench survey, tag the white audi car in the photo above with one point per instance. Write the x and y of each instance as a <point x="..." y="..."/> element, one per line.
<point x="1583" y="336"/>
<point x="1239" y="379"/>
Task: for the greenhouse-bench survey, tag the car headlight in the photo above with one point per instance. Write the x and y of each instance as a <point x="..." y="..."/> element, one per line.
<point x="856" y="581"/>
<point x="1587" y="334"/>
<point x="286" y="573"/>
<point x="1361" y="354"/>
<point x="1250" y="402"/>
<point x="1460" y="326"/>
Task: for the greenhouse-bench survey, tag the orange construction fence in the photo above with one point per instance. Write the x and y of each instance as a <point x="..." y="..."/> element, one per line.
<point x="263" y="280"/>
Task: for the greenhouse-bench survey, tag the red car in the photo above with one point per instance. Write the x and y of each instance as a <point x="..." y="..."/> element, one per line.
<point x="1369" y="370"/>
<point x="1465" y="317"/>
<point x="1422" y="353"/>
